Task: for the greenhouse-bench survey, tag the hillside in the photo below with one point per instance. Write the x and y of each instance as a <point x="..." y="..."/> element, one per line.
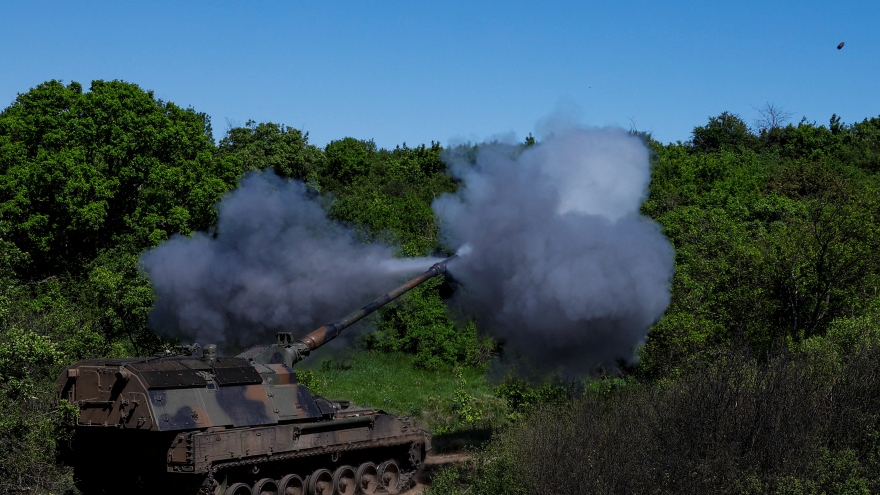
<point x="760" y="377"/>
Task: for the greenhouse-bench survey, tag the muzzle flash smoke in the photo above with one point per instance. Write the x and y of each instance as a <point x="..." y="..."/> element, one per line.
<point x="555" y="258"/>
<point x="277" y="263"/>
<point x="559" y="263"/>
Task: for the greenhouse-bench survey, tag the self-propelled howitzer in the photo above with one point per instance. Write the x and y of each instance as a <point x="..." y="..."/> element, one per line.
<point x="198" y="423"/>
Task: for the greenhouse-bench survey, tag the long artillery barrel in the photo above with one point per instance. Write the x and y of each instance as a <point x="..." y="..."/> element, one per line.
<point x="329" y="331"/>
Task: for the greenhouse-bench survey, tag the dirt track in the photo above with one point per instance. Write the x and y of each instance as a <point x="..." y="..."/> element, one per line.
<point x="433" y="463"/>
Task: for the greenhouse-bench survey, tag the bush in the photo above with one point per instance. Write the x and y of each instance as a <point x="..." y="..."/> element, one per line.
<point x="793" y="424"/>
<point x="522" y="397"/>
<point x="420" y="324"/>
<point x="489" y="471"/>
<point x="41" y="332"/>
<point x="29" y="422"/>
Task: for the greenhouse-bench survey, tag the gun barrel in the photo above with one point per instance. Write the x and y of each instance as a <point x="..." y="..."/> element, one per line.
<point x="329" y="331"/>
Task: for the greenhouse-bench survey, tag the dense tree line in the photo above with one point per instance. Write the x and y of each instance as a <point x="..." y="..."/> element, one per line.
<point x="776" y="232"/>
<point x="776" y="235"/>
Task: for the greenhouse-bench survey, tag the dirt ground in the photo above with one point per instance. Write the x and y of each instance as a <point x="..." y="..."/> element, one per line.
<point x="433" y="463"/>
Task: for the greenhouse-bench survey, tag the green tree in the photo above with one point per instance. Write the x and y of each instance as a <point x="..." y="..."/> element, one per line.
<point x="346" y="161"/>
<point x="726" y="131"/>
<point x="390" y="198"/>
<point x="825" y="245"/>
<point x="719" y="292"/>
<point x="420" y="324"/>
<point x="269" y="145"/>
<point x="861" y="142"/>
<point x="771" y="244"/>
<point x="88" y="180"/>
<point x="81" y="171"/>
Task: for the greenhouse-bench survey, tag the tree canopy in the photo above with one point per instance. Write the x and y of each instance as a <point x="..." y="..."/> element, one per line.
<point x="776" y="233"/>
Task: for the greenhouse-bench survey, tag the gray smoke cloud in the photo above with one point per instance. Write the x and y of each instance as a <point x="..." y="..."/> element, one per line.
<point x="557" y="261"/>
<point x="275" y="263"/>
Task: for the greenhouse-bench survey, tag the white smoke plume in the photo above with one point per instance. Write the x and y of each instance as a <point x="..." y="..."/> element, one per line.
<point x="556" y="258"/>
<point x="275" y="263"/>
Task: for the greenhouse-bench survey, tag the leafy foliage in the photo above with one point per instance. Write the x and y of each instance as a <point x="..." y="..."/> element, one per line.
<point x="770" y="244"/>
<point x="799" y="423"/>
<point x="268" y="145"/>
<point x="726" y="131"/>
<point x="390" y="197"/>
<point x="773" y="320"/>
<point x="420" y="324"/>
<point x="82" y="171"/>
<point x="90" y="179"/>
<point x="489" y="471"/>
<point x="38" y="337"/>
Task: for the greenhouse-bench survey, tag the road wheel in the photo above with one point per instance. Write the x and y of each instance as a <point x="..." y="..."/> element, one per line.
<point x="291" y="485"/>
<point x="265" y="486"/>
<point x="367" y="479"/>
<point x="238" y="489"/>
<point x="389" y="476"/>
<point x="321" y="483"/>
<point x="343" y="481"/>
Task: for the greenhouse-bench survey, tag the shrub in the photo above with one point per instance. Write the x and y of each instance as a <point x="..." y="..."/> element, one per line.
<point x="792" y="424"/>
<point x="489" y="471"/>
<point x="420" y="324"/>
<point x="28" y="420"/>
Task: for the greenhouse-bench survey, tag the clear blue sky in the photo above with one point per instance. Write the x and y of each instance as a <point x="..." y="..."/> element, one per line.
<point x="406" y="71"/>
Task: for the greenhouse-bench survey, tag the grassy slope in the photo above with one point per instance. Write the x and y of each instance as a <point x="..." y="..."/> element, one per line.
<point x="458" y="405"/>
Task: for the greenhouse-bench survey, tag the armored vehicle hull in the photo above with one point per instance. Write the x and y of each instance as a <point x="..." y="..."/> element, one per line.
<point x="209" y="425"/>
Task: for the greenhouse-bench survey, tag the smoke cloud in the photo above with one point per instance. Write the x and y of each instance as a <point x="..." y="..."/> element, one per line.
<point x="556" y="259"/>
<point x="275" y="263"/>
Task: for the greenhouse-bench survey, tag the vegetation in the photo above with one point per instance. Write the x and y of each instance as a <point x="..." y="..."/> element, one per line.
<point x="801" y="422"/>
<point x="760" y="378"/>
<point x="456" y="403"/>
<point x="775" y="238"/>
